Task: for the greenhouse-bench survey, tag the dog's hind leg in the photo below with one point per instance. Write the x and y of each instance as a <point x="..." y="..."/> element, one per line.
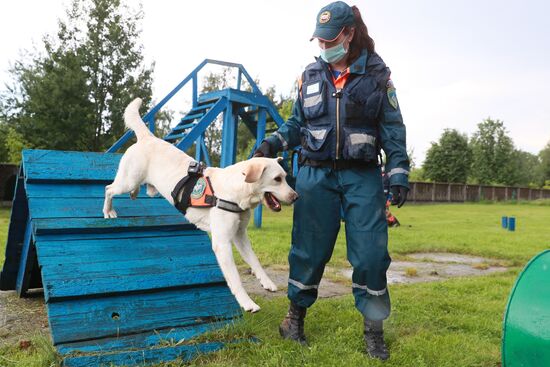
<point x="116" y="188"/>
<point x="151" y="190"/>
<point x="242" y="243"/>
<point x="134" y="193"/>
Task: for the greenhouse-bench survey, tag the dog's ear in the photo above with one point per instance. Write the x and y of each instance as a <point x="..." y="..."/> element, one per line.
<point x="253" y="170"/>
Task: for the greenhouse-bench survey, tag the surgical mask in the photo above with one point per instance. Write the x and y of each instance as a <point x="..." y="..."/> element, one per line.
<point x="334" y="54"/>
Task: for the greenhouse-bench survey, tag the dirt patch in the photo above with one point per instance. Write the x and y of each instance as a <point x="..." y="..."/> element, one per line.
<point x="327" y="288"/>
<point x="423" y="267"/>
<point x="21" y="318"/>
<point x="431" y="267"/>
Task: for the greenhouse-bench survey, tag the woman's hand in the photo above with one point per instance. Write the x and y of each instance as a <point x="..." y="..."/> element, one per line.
<point x="264" y="150"/>
<point x="399" y="195"/>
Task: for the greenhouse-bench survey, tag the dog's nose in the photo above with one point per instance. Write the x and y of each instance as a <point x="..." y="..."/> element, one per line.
<point x="295" y="197"/>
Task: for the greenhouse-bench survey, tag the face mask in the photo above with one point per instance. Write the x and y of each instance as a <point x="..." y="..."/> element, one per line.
<point x="334" y="54"/>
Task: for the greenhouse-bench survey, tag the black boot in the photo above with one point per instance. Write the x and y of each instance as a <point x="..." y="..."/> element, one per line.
<point x="374" y="340"/>
<point x="292" y="326"/>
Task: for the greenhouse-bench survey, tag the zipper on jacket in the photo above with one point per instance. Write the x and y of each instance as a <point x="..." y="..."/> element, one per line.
<point x="337" y="95"/>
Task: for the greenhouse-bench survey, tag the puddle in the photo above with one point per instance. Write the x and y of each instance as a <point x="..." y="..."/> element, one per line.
<point x="436" y="266"/>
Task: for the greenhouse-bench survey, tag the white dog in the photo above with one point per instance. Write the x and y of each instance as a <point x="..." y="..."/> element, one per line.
<point x="161" y="166"/>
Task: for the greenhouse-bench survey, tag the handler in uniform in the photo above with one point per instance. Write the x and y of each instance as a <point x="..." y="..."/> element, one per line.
<point x="345" y="112"/>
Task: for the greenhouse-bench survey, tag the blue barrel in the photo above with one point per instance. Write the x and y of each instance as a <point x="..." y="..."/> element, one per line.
<point x="504" y="222"/>
<point x="512" y="224"/>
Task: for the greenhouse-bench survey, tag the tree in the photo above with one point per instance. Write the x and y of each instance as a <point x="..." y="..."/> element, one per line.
<point x="493" y="154"/>
<point x="544" y="156"/>
<point x="449" y="159"/>
<point x="527" y="169"/>
<point x="73" y="95"/>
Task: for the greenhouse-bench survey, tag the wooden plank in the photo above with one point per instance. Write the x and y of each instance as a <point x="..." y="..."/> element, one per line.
<point x="150" y="339"/>
<point x="92" y="318"/>
<point x="16" y="234"/>
<point x="122" y="234"/>
<point x="26" y="263"/>
<point x="93" y="208"/>
<point x="59" y="165"/>
<point x="31" y="156"/>
<point x="123" y="249"/>
<point x="72" y="189"/>
<point x="71" y="171"/>
<point x="143" y="357"/>
<point x="66" y="276"/>
<point x="102" y="225"/>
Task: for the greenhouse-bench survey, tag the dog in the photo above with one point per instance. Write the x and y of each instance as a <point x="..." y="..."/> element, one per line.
<point x="160" y="165"/>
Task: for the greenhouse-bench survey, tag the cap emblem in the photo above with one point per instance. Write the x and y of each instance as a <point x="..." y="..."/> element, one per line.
<point x="324" y="17"/>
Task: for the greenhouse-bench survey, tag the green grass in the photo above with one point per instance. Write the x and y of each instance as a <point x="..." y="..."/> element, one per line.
<point x="4" y="221"/>
<point x="462" y="228"/>
<point x="454" y="323"/>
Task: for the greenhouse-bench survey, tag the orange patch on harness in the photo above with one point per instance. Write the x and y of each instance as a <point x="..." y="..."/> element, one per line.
<point x="201" y="192"/>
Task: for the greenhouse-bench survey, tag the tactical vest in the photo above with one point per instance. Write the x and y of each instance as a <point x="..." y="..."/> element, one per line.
<point x="342" y="124"/>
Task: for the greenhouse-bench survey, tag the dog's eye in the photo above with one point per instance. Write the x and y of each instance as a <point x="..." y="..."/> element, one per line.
<point x="278" y="179"/>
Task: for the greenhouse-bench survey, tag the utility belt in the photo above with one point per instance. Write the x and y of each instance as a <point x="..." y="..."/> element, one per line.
<point x="197" y="192"/>
<point x="339" y="164"/>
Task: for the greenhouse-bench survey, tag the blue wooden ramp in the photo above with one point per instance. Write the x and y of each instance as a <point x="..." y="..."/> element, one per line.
<point x="132" y="290"/>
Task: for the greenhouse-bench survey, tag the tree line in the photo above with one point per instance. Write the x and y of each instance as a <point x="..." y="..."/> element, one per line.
<point x="488" y="157"/>
<point x="72" y="94"/>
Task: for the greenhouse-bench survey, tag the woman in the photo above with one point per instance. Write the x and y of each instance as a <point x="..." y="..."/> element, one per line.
<point x="345" y="112"/>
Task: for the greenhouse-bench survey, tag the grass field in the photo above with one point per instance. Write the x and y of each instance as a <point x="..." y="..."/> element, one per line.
<point x="454" y="323"/>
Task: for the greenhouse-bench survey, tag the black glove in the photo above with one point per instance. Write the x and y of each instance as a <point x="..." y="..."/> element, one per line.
<point x="264" y="150"/>
<point x="399" y="195"/>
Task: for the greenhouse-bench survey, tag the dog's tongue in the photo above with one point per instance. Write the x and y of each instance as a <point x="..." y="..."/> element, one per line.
<point x="272" y="202"/>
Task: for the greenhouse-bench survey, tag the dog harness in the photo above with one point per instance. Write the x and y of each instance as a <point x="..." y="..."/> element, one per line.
<point x="197" y="192"/>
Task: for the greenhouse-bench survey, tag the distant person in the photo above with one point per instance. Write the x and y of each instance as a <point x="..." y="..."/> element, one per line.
<point x="345" y="111"/>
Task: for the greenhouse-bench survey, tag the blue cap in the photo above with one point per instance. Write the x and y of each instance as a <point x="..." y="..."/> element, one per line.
<point x="332" y="19"/>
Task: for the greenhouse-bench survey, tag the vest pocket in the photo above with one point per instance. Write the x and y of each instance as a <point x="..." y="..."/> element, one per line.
<point x="363" y="114"/>
<point x="313" y="99"/>
<point x="314" y="138"/>
<point x="359" y="145"/>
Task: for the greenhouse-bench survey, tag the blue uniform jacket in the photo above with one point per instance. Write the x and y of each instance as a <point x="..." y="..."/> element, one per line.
<point x="351" y="123"/>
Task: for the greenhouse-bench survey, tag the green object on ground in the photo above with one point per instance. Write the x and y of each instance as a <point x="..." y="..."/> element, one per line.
<point x="526" y="333"/>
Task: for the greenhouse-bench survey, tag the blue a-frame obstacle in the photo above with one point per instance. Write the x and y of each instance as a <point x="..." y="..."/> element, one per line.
<point x="135" y="289"/>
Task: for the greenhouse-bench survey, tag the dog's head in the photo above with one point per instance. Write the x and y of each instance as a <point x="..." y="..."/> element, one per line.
<point x="268" y="177"/>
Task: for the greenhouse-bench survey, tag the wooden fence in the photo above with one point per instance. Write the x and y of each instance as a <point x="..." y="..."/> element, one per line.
<point x="458" y="193"/>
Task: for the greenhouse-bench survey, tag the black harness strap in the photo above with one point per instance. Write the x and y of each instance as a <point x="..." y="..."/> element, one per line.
<point x="187" y="183"/>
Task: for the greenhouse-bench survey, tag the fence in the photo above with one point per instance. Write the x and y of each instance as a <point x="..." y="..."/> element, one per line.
<point x="458" y="193"/>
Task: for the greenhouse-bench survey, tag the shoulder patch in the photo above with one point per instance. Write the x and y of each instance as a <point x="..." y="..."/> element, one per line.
<point x="392" y="96"/>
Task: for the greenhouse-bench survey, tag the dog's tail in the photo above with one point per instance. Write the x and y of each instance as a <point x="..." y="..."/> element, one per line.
<point x="133" y="120"/>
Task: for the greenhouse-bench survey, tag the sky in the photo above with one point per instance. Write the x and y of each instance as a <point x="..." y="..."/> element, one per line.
<point x="454" y="63"/>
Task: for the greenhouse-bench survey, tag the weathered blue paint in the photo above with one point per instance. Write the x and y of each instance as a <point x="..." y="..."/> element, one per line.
<point x="16" y="234"/>
<point x="148" y="339"/>
<point x="143" y="357"/>
<point x="115" y="289"/>
<point x="28" y="257"/>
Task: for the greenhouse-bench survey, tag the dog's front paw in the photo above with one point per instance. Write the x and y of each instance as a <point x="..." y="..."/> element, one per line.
<point x="110" y="214"/>
<point x="268" y="284"/>
<point x="248" y="305"/>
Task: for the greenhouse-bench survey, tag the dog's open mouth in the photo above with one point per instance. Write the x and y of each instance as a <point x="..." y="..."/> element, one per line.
<point x="272" y="202"/>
